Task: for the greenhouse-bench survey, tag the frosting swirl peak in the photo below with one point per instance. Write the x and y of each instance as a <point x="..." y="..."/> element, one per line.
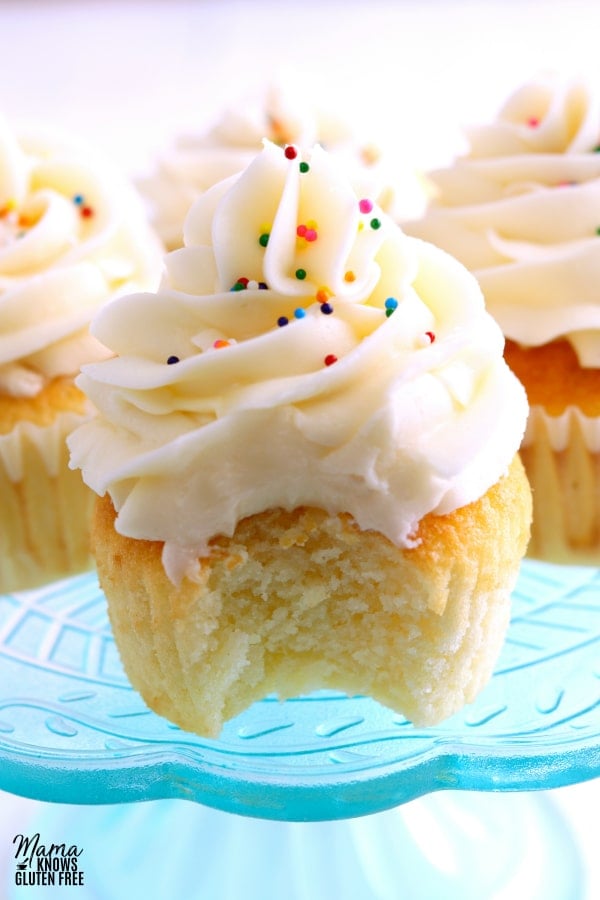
<point x="72" y="236"/>
<point x="521" y="211"/>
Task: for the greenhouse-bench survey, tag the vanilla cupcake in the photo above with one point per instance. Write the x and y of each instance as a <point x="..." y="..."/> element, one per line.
<point x="522" y="211"/>
<point x="72" y="237"/>
<point x="305" y="454"/>
<point x="194" y="162"/>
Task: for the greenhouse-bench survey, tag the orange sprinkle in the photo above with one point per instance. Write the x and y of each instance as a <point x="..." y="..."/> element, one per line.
<point x="218" y="344"/>
<point x="323" y="294"/>
<point x="349" y="276"/>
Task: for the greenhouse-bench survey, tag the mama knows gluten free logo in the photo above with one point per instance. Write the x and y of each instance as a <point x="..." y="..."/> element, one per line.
<point x="41" y="864"/>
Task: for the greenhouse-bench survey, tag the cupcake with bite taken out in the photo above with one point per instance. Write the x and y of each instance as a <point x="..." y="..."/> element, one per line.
<point x="72" y="237"/>
<point x="305" y="459"/>
<point x="522" y="211"/>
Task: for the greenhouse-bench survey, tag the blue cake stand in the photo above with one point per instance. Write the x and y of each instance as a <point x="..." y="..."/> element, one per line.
<point x="315" y="780"/>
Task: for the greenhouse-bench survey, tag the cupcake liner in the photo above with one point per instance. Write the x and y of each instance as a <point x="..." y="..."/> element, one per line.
<point x="45" y="508"/>
<point x="561" y="455"/>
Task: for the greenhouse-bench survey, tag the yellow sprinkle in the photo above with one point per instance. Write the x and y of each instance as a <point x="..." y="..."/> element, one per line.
<point x="349" y="276"/>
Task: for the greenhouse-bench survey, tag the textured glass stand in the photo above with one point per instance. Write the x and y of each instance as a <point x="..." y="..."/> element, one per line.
<point x="73" y="731"/>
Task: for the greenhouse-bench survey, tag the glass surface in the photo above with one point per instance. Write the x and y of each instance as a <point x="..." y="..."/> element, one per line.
<point x="72" y="730"/>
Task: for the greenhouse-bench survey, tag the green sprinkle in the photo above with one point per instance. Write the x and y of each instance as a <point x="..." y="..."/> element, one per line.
<point x="375" y="224"/>
<point x="304" y="167"/>
<point x="263" y="240"/>
<point x="300" y="274"/>
<point x="388" y="312"/>
<point x="597" y="149"/>
<point x="238" y="286"/>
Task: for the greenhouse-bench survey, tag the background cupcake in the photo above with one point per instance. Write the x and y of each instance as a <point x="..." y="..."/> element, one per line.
<point x="522" y="210"/>
<point x="72" y="237"/>
<point x="283" y="115"/>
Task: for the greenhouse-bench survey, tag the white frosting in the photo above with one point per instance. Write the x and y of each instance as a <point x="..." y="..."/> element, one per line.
<point x="396" y="427"/>
<point x="72" y="236"/>
<point x="195" y="162"/>
<point x="522" y="212"/>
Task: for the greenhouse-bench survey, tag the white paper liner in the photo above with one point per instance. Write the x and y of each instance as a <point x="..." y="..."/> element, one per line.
<point x="560" y="428"/>
<point x="49" y="441"/>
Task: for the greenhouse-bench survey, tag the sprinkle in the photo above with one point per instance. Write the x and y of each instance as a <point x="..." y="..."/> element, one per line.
<point x="323" y="294"/>
<point x="308" y="231"/>
<point x="252" y="286"/>
<point x="238" y="286"/>
<point x="330" y="359"/>
<point x="299" y="313"/>
<point x="390" y="305"/>
<point x="375" y="224"/>
<point x="282" y="320"/>
<point x="349" y="276"/>
<point x="365" y="205"/>
<point x="263" y="286"/>
<point x="9" y="206"/>
<point x="219" y="344"/>
<point x="78" y="199"/>
<point x="300" y="274"/>
<point x="243" y="281"/>
<point x="290" y="152"/>
<point x="172" y="360"/>
<point x="326" y="309"/>
<point x="87" y="212"/>
<point x="598" y="230"/>
<point x="263" y="239"/>
<point x="533" y="122"/>
<point x="597" y="149"/>
<point x="566" y="183"/>
<point x="304" y="167"/>
<point x="431" y="336"/>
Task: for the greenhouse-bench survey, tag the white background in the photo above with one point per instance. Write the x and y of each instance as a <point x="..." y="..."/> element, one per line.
<point x="128" y="75"/>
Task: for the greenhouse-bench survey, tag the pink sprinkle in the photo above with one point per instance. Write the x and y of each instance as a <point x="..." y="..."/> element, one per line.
<point x="365" y="206"/>
<point x="310" y="234"/>
<point x="533" y="122"/>
<point x="301" y="230"/>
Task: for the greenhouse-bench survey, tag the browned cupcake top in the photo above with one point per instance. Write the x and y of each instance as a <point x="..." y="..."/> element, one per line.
<point x="553" y="377"/>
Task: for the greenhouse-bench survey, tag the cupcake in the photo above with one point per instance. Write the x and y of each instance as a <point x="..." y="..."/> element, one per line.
<point x="194" y="162"/>
<point x="305" y="457"/>
<point x="72" y="236"/>
<point x="522" y="211"/>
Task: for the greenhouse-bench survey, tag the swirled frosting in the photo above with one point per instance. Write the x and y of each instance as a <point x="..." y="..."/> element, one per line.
<point x="194" y="162"/>
<point x="300" y="351"/>
<point x="522" y="211"/>
<point x="72" y="236"/>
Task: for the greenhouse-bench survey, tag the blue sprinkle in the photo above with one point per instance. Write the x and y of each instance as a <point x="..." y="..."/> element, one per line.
<point x="299" y="313"/>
